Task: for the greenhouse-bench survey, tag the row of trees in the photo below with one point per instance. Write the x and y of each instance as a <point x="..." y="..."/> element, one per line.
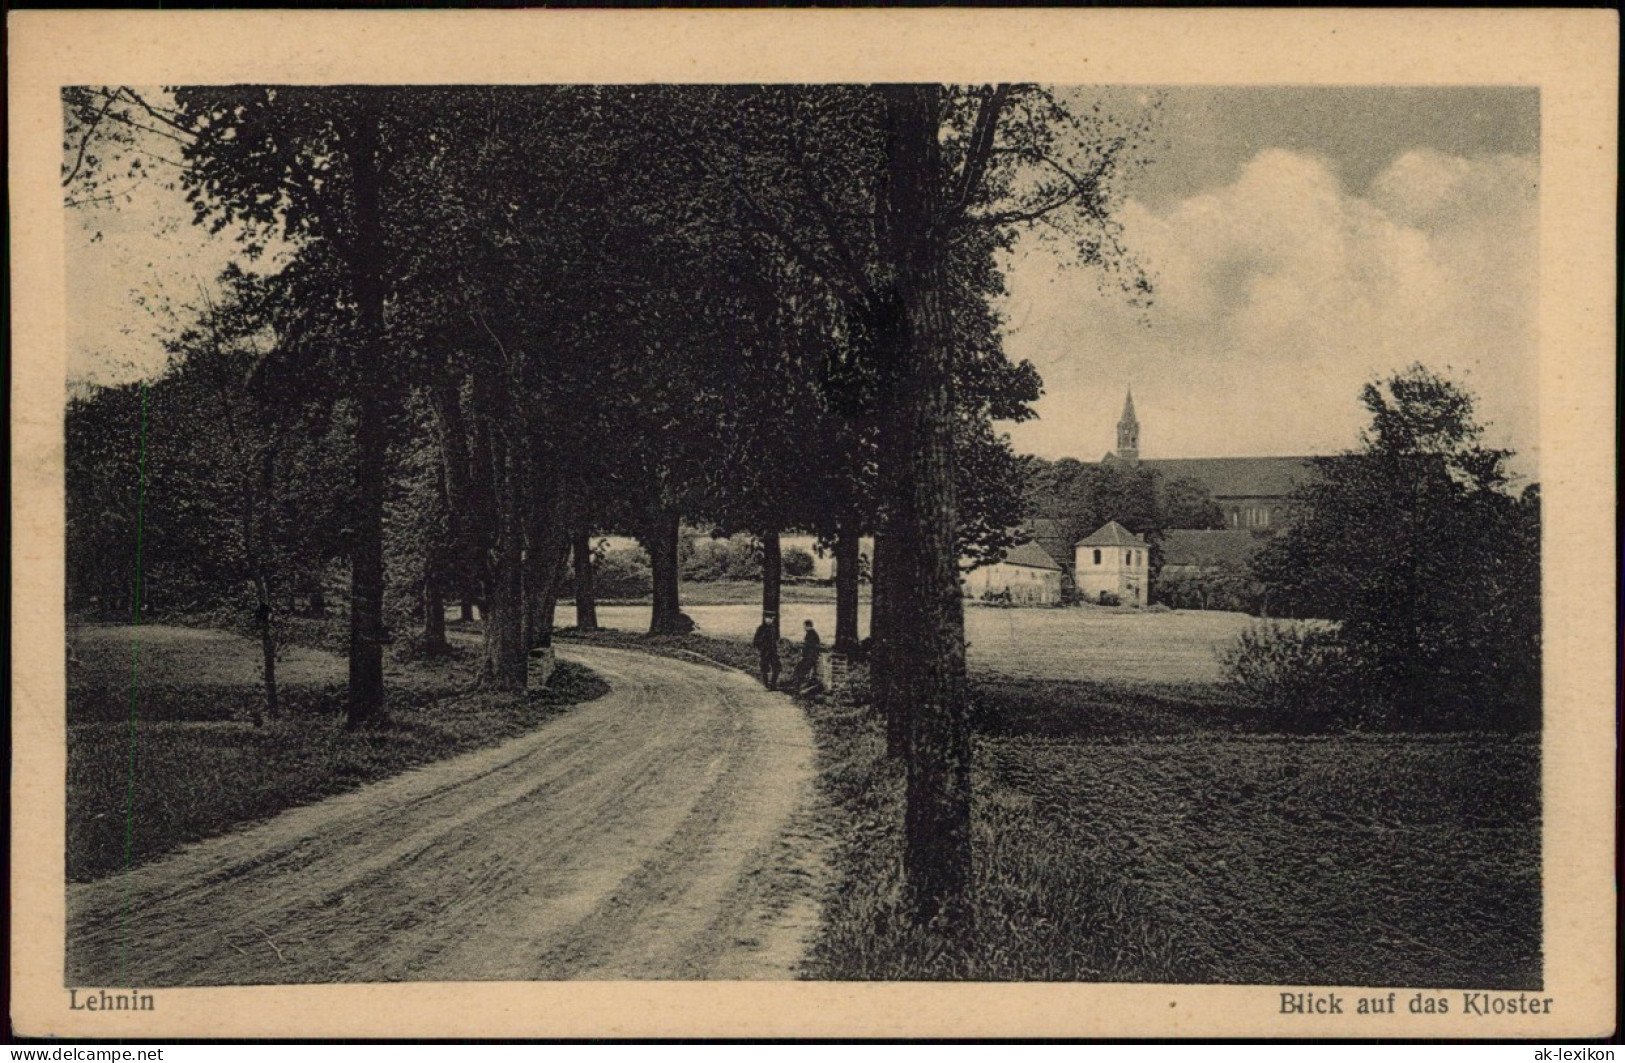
<point x="508" y="318"/>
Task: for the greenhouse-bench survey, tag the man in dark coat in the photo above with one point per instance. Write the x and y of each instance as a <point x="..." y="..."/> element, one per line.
<point x="807" y="668"/>
<point x="766" y="642"/>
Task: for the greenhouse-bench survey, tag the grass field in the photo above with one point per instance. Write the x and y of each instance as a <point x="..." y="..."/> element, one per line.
<point x="191" y="765"/>
<point x="1154" y="831"/>
<point x="1104" y="644"/>
<point x="1258" y="859"/>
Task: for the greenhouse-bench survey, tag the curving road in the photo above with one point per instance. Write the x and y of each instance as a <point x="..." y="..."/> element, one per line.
<point x="661" y="831"/>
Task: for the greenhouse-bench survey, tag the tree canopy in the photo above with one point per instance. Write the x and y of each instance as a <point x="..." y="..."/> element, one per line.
<point x="505" y="319"/>
<point x="1419" y="547"/>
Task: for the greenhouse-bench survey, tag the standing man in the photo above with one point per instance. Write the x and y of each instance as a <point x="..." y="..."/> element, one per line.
<point x="807" y="668"/>
<point x="766" y="642"/>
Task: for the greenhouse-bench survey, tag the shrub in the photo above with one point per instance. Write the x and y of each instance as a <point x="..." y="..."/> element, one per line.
<point x="623" y="573"/>
<point x="1300" y="675"/>
<point x="1108" y="598"/>
<point x="797" y="563"/>
<point x="737" y="558"/>
<point x="1223" y="589"/>
<point x="1311" y="676"/>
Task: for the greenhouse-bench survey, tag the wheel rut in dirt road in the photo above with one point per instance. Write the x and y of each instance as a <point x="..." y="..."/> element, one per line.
<point x="643" y="835"/>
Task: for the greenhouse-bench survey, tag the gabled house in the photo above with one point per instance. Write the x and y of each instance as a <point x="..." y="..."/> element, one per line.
<point x="1113" y="561"/>
<point x="1026" y="575"/>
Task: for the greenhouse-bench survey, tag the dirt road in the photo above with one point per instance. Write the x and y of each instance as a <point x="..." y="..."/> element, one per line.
<point x="659" y="832"/>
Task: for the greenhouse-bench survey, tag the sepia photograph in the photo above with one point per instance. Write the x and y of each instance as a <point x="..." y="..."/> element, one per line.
<point x="1047" y="534"/>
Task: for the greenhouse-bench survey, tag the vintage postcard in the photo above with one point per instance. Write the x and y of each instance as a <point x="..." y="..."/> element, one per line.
<point x="814" y="524"/>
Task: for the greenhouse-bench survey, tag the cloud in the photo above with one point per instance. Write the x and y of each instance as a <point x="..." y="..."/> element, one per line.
<point x="1279" y="294"/>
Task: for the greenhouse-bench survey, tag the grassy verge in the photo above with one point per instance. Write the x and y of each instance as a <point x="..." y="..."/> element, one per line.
<point x="191" y="765"/>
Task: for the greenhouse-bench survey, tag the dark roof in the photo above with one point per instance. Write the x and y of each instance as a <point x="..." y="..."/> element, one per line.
<point x="1030" y="555"/>
<point x="1047" y="533"/>
<point x="1205" y="549"/>
<point x="1238" y="477"/>
<point x="1042" y="527"/>
<point x="1112" y="534"/>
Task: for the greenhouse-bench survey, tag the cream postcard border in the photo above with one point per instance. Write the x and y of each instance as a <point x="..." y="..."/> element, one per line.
<point x="1571" y="55"/>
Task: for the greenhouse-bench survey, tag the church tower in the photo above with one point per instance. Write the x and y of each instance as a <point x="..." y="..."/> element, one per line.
<point x="1128" y="432"/>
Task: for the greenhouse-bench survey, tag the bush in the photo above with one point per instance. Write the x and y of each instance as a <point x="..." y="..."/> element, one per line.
<point x="797" y="563"/>
<point x="1108" y="598"/>
<point x="623" y="573"/>
<point x="1312" y="677"/>
<point x="1301" y="676"/>
<point x="737" y="558"/>
<point x="1213" y="588"/>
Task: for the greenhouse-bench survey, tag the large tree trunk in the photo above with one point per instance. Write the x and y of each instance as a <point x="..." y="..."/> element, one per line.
<point x="928" y="668"/>
<point x="548" y="543"/>
<point x="267" y="646"/>
<point x="366" y="689"/>
<point x="847" y="572"/>
<point x="883" y="641"/>
<point x="550" y="594"/>
<point x="503" y="610"/>
<point x="548" y="547"/>
<point x="465" y="471"/>
<point x="434" y="616"/>
<point x="772" y="578"/>
<point x="586" y="601"/>
<point x="664" y="533"/>
<point x="434" y="569"/>
<point x="261" y="551"/>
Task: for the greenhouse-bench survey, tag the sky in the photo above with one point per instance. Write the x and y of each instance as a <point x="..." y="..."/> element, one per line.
<point x="1302" y="242"/>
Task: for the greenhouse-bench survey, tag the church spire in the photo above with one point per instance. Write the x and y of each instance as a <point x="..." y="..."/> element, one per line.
<point x="1128" y="432"/>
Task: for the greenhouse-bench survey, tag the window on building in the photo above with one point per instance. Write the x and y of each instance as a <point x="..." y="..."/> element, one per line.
<point x="1097" y="557"/>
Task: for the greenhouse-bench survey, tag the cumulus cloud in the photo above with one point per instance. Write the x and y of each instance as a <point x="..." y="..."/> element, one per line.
<point x="1280" y="294"/>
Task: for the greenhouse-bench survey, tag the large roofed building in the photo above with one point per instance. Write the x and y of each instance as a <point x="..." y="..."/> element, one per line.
<point x="1111" y="566"/>
<point x="1255" y="497"/>
<point x="1026" y="575"/>
<point x="1252" y="493"/>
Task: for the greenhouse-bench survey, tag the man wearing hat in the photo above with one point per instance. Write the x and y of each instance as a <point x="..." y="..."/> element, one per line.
<point x="766" y="642"/>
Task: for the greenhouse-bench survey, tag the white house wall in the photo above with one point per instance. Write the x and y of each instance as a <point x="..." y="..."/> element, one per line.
<point x="1121" y="571"/>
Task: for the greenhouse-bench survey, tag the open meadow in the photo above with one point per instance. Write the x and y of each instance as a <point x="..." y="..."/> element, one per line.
<point x="1135" y="646"/>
